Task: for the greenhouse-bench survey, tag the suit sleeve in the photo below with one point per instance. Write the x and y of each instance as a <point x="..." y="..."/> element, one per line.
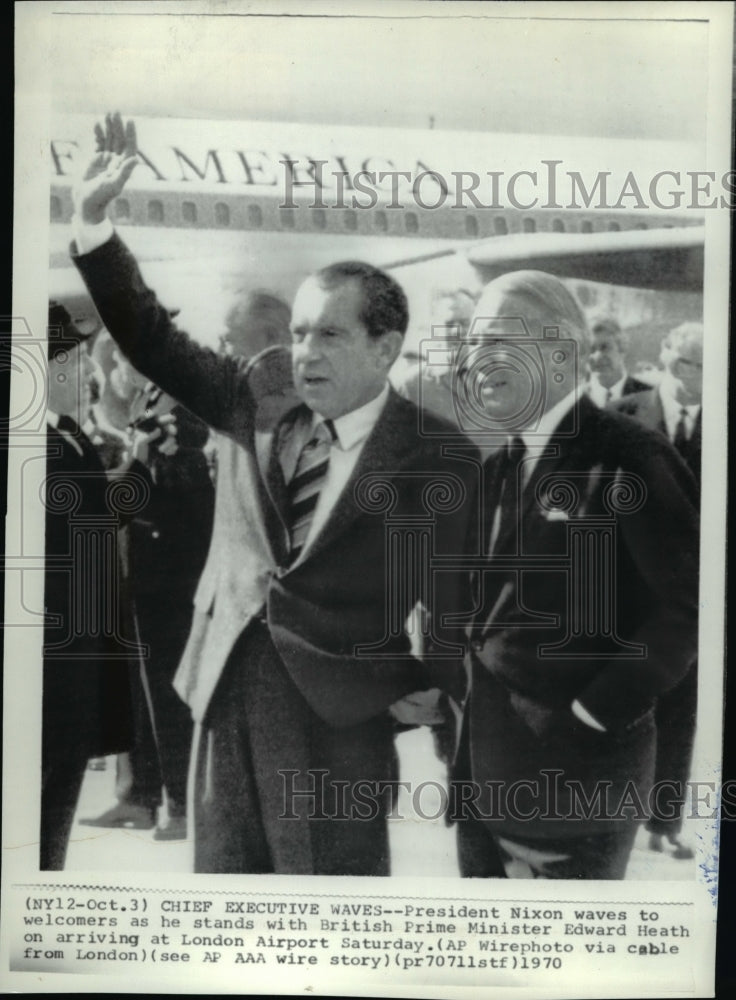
<point x="211" y="386"/>
<point x="662" y="540"/>
<point x="452" y="597"/>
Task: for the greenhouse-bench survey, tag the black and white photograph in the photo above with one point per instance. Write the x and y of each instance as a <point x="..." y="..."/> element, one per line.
<point x="366" y="513"/>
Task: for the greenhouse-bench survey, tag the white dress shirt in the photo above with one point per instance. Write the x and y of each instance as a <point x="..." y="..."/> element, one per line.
<point x="537" y="439"/>
<point x="601" y="395"/>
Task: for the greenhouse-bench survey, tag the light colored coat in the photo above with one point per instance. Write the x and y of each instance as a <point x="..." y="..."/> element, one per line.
<point x="240" y="560"/>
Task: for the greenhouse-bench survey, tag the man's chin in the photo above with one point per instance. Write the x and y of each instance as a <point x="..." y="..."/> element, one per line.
<point x="315" y="395"/>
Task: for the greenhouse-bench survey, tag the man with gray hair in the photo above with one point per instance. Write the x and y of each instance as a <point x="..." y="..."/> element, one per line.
<point x="674" y="406"/>
<point x="585" y="612"/>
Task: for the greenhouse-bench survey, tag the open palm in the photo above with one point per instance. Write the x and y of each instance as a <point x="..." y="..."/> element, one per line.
<point x="109" y="169"/>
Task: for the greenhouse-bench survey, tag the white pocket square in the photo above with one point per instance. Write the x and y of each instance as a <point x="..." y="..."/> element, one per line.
<point x="556" y="515"/>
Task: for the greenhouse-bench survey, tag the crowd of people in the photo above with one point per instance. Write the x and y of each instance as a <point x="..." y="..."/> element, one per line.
<point x="503" y="548"/>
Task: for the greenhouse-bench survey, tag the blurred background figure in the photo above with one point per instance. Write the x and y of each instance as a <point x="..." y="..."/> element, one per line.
<point x="256" y="320"/>
<point x="424" y="371"/>
<point x="109" y="414"/>
<point x="609" y="379"/>
<point x="453" y="308"/>
<point x="86" y="705"/>
<point x="674" y="408"/>
<point x="164" y="551"/>
<point x="647" y="371"/>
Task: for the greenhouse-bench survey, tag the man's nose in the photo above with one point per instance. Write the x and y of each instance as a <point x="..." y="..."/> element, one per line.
<point x="308" y="348"/>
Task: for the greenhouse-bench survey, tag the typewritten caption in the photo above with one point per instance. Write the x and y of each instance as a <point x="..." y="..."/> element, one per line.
<point x="72" y="929"/>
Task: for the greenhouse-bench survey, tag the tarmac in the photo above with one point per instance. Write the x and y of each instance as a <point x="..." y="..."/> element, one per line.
<point x="420" y="844"/>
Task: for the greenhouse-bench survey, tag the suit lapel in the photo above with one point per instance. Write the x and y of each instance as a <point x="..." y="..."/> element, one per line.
<point x="274" y="502"/>
<point x="555" y="454"/>
<point x="656" y="413"/>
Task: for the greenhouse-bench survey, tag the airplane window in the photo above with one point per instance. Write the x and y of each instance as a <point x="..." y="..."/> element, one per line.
<point x="411" y="222"/>
<point x="351" y="220"/>
<point x="188" y="211"/>
<point x="500" y="226"/>
<point x="55" y="207"/>
<point x="586" y="227"/>
<point x="122" y="208"/>
<point x="319" y="218"/>
<point x="255" y="216"/>
<point x="529" y="225"/>
<point x="288" y="220"/>
<point x="222" y="214"/>
<point x="380" y="220"/>
<point x="155" y="211"/>
<point x="558" y="226"/>
<point x="614" y="227"/>
<point x="471" y="225"/>
<point x="641" y="225"/>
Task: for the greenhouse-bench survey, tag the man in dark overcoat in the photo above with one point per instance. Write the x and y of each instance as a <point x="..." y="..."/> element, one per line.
<point x="86" y="711"/>
<point x="586" y="605"/>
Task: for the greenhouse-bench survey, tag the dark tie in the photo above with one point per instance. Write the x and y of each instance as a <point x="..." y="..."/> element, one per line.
<point x="306" y="484"/>
<point x="506" y="512"/>
<point x="680" y="439"/>
<point x="69" y="425"/>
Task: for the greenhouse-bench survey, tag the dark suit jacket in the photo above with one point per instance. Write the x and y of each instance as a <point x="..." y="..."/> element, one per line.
<point x="86" y="647"/>
<point x="170" y="536"/>
<point x="326" y="612"/>
<point x="632" y="384"/>
<point x="646" y="408"/>
<point x="612" y="479"/>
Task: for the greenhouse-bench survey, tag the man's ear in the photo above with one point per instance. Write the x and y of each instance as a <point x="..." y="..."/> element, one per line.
<point x="389" y="347"/>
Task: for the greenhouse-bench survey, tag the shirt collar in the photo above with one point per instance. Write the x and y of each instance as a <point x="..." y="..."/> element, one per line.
<point x="352" y="428"/>
<point x="668" y="394"/>
<point x="52" y="419"/>
<point x="615" y="390"/>
<point x="539" y="437"/>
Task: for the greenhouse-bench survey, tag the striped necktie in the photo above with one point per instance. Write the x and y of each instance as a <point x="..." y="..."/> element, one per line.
<point x="306" y="484"/>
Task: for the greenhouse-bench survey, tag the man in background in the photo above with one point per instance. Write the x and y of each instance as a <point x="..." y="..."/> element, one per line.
<point x="86" y="706"/>
<point x="609" y="379"/>
<point x="674" y="409"/>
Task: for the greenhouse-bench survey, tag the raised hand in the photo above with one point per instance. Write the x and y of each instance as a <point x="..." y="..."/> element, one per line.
<point x="107" y="172"/>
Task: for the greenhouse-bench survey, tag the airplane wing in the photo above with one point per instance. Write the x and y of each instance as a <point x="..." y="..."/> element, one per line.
<point x="661" y="259"/>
